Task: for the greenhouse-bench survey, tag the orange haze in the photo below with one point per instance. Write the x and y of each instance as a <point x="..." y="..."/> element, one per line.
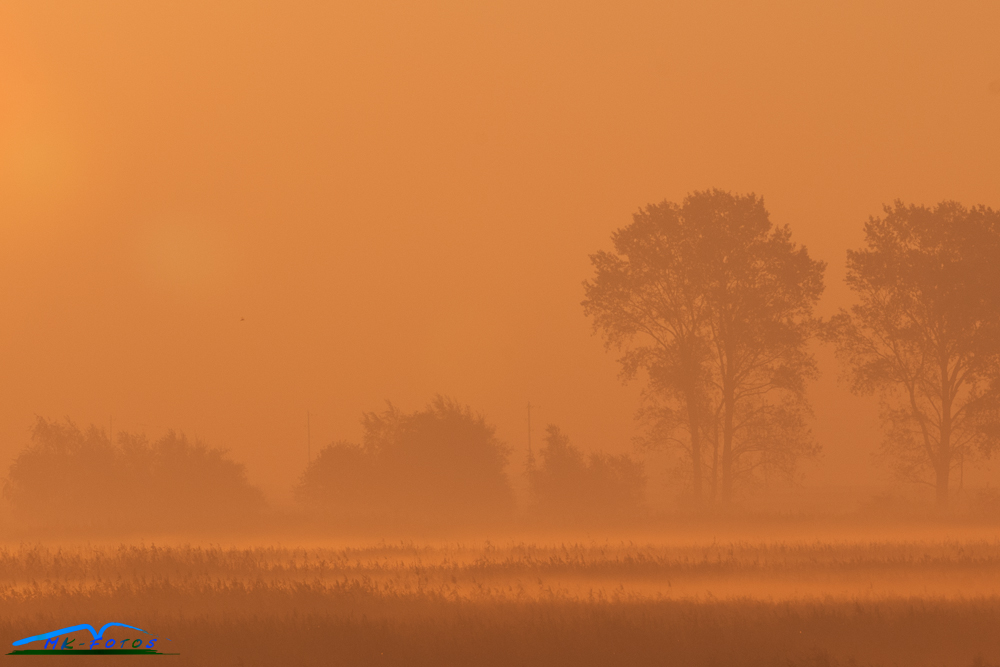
<point x="217" y="216"/>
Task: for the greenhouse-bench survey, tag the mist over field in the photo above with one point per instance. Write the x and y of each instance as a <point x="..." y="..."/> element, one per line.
<point x="492" y="333"/>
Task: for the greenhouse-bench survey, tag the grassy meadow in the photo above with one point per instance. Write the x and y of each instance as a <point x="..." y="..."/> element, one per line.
<point x="876" y="597"/>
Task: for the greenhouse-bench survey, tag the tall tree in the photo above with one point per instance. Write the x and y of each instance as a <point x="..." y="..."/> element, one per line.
<point x="760" y="291"/>
<point x="715" y="303"/>
<point x="925" y="334"/>
<point x="649" y="301"/>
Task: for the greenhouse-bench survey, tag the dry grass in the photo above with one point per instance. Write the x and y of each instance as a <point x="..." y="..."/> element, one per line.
<point x="917" y="602"/>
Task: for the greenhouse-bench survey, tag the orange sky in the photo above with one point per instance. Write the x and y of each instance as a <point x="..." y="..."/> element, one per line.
<point x="217" y="218"/>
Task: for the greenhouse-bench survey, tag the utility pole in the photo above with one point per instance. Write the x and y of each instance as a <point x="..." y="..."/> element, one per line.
<point x="531" y="453"/>
<point x="530" y="463"/>
<point x="529" y="429"/>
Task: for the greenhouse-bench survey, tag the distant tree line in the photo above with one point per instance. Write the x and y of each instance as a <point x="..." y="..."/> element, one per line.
<point x="445" y="463"/>
<point x="712" y="305"/>
<point x="442" y="465"/>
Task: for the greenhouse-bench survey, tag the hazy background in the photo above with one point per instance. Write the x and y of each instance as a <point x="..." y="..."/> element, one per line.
<point x="215" y="218"/>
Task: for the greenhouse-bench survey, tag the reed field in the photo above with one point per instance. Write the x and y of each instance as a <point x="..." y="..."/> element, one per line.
<point x="874" y="599"/>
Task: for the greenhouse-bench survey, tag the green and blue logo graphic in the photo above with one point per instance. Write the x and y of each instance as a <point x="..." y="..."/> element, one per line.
<point x="99" y="645"/>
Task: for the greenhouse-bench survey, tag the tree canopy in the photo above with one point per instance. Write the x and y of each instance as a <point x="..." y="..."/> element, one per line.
<point x="440" y="463"/>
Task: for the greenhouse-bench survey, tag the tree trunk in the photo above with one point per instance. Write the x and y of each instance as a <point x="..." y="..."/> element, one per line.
<point x="727" y="450"/>
<point x="943" y="464"/>
<point x="942" y="485"/>
<point x="695" y="427"/>
<point x="715" y="467"/>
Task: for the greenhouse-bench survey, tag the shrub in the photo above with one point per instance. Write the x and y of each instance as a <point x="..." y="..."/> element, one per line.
<point x="568" y="486"/>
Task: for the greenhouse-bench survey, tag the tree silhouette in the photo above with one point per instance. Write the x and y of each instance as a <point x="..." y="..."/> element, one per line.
<point x="715" y="303"/>
<point x="650" y="289"/>
<point x="342" y="475"/>
<point x="442" y="462"/>
<point x="925" y="334"/>
<point x="81" y="478"/>
<point x="566" y="485"/>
